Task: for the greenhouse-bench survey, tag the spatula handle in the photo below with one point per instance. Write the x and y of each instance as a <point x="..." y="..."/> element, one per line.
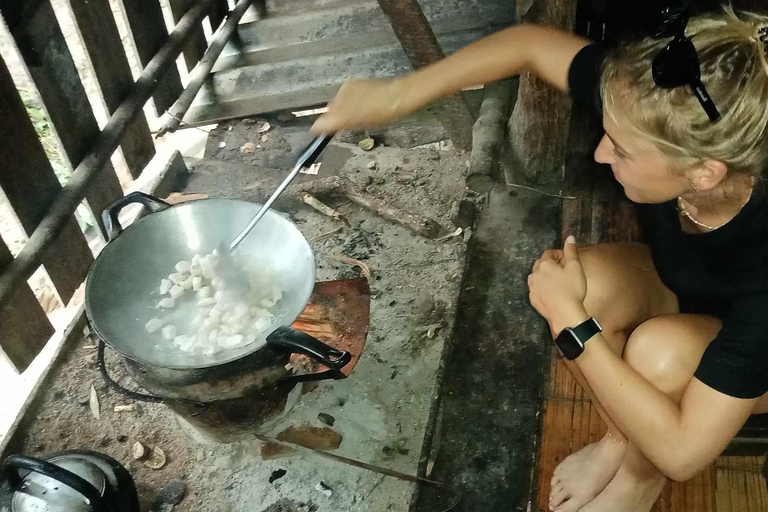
<point x="306" y="159"/>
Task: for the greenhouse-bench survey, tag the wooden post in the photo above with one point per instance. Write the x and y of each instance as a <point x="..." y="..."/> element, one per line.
<point x="105" y="48"/>
<point x="24" y="327"/>
<point x="538" y="127"/>
<point x="145" y="20"/>
<point x="421" y="47"/>
<point x="196" y="46"/>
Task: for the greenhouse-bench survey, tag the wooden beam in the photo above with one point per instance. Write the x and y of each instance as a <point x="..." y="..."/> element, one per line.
<point x="31" y="186"/>
<point x="195" y="48"/>
<point x="90" y="168"/>
<point x="145" y="20"/>
<point x="113" y="73"/>
<point x="203" y="69"/>
<point x="53" y="71"/>
<point x="420" y="45"/>
<point x="24" y="327"/>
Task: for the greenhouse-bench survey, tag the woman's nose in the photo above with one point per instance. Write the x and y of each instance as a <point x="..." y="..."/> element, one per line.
<point x="604" y="151"/>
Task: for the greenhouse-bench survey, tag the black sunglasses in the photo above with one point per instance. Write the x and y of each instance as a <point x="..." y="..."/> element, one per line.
<point x="677" y="64"/>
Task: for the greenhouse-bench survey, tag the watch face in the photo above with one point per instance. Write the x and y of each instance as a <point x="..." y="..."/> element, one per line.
<point x="569" y="344"/>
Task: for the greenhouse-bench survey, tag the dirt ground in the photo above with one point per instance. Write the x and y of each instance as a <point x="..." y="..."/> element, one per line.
<point x="381" y="411"/>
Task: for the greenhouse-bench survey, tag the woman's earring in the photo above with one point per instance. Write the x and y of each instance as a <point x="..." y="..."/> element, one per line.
<point x="694" y="187"/>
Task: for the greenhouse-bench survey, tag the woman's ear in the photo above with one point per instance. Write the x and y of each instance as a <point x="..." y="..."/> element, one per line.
<point x="708" y="174"/>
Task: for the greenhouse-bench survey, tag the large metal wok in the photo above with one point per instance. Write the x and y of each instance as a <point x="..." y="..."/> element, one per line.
<point x="122" y="286"/>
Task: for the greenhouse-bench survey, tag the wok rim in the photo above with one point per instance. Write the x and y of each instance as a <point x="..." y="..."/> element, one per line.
<point x="147" y="218"/>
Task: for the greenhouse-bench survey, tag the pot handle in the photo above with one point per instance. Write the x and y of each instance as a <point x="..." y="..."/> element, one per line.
<point x="110" y="214"/>
<point x="292" y="340"/>
<point x="14" y="464"/>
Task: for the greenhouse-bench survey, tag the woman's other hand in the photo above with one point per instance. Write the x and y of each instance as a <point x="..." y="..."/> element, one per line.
<point x="557" y="285"/>
<point x="362" y="104"/>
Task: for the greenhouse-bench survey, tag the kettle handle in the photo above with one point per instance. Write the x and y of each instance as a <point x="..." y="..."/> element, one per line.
<point x="16" y="463"/>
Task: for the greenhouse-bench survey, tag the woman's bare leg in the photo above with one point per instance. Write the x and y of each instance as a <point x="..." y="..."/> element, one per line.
<point x="666" y="351"/>
<point x="623" y="291"/>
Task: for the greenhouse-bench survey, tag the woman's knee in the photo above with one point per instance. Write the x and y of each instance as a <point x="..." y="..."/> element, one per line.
<point x="666" y="350"/>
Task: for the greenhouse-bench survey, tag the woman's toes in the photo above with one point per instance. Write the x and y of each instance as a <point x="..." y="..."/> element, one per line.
<point x="557" y="497"/>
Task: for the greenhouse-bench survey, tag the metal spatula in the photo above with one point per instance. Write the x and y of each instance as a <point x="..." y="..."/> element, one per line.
<point x="227" y="268"/>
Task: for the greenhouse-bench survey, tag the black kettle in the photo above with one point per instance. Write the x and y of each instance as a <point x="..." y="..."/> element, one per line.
<point x="70" y="481"/>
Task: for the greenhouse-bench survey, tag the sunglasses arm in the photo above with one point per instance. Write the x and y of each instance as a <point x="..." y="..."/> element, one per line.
<point x="706" y="101"/>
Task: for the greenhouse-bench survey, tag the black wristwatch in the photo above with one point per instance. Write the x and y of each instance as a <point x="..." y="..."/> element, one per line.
<point x="571" y="340"/>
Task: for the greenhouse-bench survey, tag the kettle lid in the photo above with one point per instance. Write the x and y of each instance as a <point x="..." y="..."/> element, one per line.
<point x="41" y="493"/>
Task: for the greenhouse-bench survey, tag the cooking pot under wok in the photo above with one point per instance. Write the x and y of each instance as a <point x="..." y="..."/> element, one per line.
<point x="122" y="288"/>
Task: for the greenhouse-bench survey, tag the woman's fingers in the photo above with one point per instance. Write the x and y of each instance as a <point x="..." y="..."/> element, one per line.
<point x="360" y="104"/>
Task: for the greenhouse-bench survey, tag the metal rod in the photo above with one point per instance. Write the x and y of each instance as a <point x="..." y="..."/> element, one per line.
<point x="21" y="268"/>
<point x="198" y="76"/>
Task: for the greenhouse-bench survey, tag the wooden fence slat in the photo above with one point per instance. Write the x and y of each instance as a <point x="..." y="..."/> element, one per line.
<point x="110" y="64"/>
<point x="31" y="186"/>
<point x="145" y="20"/>
<point x="24" y="327"/>
<point x="195" y="48"/>
<point x="50" y="64"/>
<point x="218" y="12"/>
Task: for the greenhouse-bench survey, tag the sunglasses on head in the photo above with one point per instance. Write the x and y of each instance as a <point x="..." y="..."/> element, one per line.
<point x="677" y="64"/>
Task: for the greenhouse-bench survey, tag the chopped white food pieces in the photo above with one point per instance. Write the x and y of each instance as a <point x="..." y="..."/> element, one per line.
<point x="153" y="325"/>
<point x="169" y="332"/>
<point x="176" y="292"/>
<point x="220" y="318"/>
<point x="207" y="302"/>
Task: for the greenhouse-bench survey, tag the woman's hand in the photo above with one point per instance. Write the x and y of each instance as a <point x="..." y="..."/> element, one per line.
<point x="557" y="286"/>
<point x="361" y="104"/>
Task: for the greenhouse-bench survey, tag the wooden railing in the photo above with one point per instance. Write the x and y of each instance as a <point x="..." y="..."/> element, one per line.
<point x="44" y="208"/>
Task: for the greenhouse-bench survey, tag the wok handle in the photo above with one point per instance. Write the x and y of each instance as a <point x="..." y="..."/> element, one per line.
<point x="110" y="214"/>
<point x="292" y="340"/>
<point x="15" y="464"/>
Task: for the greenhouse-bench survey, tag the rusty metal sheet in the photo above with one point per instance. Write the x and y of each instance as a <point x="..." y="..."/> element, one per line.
<point x="50" y="64"/>
<point x="145" y="20"/>
<point x="30" y="184"/>
<point x="195" y="48"/>
<point x="338" y="313"/>
<point x="113" y="73"/>
<point x="24" y="327"/>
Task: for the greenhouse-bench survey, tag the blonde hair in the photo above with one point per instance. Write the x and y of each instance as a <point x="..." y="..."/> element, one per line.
<point x="734" y="69"/>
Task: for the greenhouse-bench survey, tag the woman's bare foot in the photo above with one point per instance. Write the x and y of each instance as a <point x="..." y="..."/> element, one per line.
<point x="628" y="492"/>
<point x="584" y="474"/>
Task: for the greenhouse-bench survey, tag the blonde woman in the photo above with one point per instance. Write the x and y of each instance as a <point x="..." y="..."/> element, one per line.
<point x="669" y="338"/>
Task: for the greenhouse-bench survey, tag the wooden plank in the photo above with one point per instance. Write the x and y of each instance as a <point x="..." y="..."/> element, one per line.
<point x="420" y="44"/>
<point x="195" y="48"/>
<point x="52" y="69"/>
<point x="24" y="327"/>
<point x="218" y="12"/>
<point x="113" y="73"/>
<point x="31" y="186"/>
<point x="145" y="20"/>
